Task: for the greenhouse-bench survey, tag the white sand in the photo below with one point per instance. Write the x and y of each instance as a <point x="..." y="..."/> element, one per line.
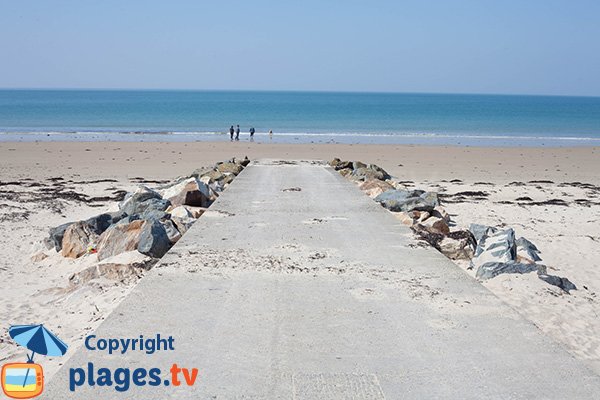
<point x="568" y="236"/>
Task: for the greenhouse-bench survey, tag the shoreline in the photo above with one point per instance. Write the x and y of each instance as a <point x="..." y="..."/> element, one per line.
<point x="356" y="138"/>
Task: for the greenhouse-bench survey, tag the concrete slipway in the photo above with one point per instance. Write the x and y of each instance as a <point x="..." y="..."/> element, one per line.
<point x="295" y="285"/>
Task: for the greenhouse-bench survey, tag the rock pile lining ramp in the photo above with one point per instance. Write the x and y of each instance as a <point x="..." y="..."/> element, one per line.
<point x="295" y="285"/>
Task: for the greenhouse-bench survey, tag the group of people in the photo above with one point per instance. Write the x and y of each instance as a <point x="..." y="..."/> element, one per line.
<point x="235" y="133"/>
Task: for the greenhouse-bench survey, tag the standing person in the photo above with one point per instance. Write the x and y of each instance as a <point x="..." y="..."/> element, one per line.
<point x="237" y="133"/>
<point x="252" y="134"/>
<point x="271" y="134"/>
<point x="231" y="132"/>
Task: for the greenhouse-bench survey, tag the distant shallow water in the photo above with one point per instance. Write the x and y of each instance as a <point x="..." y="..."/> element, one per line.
<point x="299" y="117"/>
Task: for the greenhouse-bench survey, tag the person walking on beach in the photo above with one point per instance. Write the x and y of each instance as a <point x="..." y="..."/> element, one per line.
<point x="271" y="134"/>
<point x="231" y="132"/>
<point x="237" y="133"/>
<point x="252" y="134"/>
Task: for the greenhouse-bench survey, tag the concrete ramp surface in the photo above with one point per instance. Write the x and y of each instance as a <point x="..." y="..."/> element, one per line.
<point x="295" y="285"/>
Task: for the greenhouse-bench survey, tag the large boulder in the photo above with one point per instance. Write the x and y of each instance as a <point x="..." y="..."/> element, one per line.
<point x="122" y="267"/>
<point x="146" y="236"/>
<point x="101" y="222"/>
<point x="190" y="191"/>
<point x="357" y="165"/>
<point x="153" y="239"/>
<point x="374" y="187"/>
<point x="408" y="200"/>
<point x="497" y="246"/>
<point x="458" y="245"/>
<point x="230" y="167"/>
<point x="366" y="173"/>
<point x="119" y="238"/>
<point x="492" y="269"/>
<point x="435" y="225"/>
<point x="140" y="195"/>
<point x="212" y="176"/>
<point x="77" y="238"/>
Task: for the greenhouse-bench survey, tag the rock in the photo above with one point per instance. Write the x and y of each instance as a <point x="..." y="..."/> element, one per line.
<point x="492" y="269"/>
<point x="365" y="173"/>
<point x="141" y="194"/>
<point x="422" y="215"/>
<point x="479" y="231"/>
<point x="458" y="245"/>
<point x="181" y="212"/>
<point x="435" y="225"/>
<point x="122" y="267"/>
<point x="196" y="212"/>
<point x="431" y="198"/>
<point x="101" y="222"/>
<point x="345" y="172"/>
<point x="119" y="238"/>
<point x="183" y="223"/>
<point x="357" y="165"/>
<point x="190" y="191"/>
<point x="557" y="281"/>
<point x="56" y="235"/>
<point x="335" y="162"/>
<point x="212" y="176"/>
<point x="38" y="256"/>
<point x="134" y="207"/>
<point x="496" y="247"/>
<point x="230" y="167"/>
<point x="407" y="200"/>
<point x="171" y="230"/>
<point x="245" y="162"/>
<point x="153" y="239"/>
<point x="374" y="187"/>
<point x="403" y="217"/>
<point x="377" y="168"/>
<point x="527" y="251"/>
<point x="344" y="165"/>
<point x="78" y="236"/>
<point x="154" y="215"/>
<point x="440" y="212"/>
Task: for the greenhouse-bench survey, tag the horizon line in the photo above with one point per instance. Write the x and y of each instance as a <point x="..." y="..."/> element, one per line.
<point x="99" y="89"/>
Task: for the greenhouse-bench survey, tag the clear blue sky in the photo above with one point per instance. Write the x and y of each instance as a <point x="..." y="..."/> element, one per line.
<point x="475" y="46"/>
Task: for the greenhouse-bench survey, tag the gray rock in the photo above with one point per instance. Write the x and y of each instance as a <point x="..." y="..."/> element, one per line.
<point x="364" y="173"/>
<point x="527" y="250"/>
<point x="135" y="207"/>
<point x="154" y="215"/>
<point x="380" y="170"/>
<point x="407" y="200"/>
<point x="479" y="231"/>
<point x="101" y="222"/>
<point x="358" y="165"/>
<point x="497" y="247"/>
<point x="562" y="283"/>
<point x="56" y="235"/>
<point x="141" y="194"/>
<point x="491" y="269"/>
<point x="153" y="240"/>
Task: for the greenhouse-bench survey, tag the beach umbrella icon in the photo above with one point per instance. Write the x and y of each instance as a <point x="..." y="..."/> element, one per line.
<point x="39" y="340"/>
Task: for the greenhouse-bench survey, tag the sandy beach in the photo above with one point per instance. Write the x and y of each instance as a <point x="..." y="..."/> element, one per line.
<point x="551" y="196"/>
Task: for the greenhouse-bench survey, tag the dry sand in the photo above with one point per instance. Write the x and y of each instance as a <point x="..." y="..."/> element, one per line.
<point x="568" y="235"/>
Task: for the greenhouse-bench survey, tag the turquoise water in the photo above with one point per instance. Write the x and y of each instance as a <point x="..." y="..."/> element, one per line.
<point x="299" y="117"/>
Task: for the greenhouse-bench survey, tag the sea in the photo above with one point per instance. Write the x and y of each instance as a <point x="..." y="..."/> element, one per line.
<point x="299" y="117"/>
